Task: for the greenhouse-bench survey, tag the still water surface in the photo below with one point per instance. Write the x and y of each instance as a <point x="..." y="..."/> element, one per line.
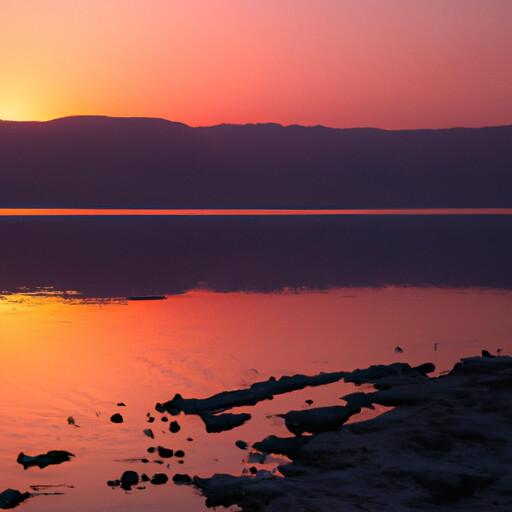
<point x="78" y="358"/>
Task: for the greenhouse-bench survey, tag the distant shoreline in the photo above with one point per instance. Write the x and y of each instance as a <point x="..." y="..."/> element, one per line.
<point x="237" y="212"/>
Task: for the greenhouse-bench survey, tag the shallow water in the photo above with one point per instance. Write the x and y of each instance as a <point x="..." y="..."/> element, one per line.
<point x="63" y="358"/>
<point x="247" y="298"/>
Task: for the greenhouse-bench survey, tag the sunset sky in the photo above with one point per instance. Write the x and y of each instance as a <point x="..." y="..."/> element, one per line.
<point x="384" y="63"/>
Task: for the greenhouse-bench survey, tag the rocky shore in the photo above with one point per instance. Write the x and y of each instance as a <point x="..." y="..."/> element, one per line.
<point x="445" y="445"/>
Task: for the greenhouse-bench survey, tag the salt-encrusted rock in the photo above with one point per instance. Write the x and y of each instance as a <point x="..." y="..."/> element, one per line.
<point x="319" y="419"/>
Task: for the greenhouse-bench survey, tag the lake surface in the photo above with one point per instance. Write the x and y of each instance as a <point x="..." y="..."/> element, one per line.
<point x="247" y="298"/>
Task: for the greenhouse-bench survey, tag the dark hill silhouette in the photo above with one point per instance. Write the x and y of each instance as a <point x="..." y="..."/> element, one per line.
<point x="93" y="161"/>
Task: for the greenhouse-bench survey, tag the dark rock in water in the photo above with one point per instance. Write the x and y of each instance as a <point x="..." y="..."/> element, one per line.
<point x="164" y="419"/>
<point x="116" y="418"/>
<point x="398" y="350"/>
<point x="148" y="432"/>
<point x="259" y="391"/>
<point x="151" y="449"/>
<point x="179" y="453"/>
<point x="181" y="479"/>
<point x="221" y="422"/>
<point x="165" y="453"/>
<point x="309" y="401"/>
<point x="129" y="479"/>
<point x="486" y="353"/>
<point x="11" y="498"/>
<point x="253" y="470"/>
<point x="150" y="419"/>
<point x="159" y="479"/>
<point x="46" y="459"/>
<point x="113" y="483"/>
<point x="241" y="444"/>
<point x="189" y="439"/>
<point x="144" y="477"/>
<point x="121" y="404"/>
<point x="320" y="419"/>
<point x="287" y="446"/>
<point x="174" y="427"/>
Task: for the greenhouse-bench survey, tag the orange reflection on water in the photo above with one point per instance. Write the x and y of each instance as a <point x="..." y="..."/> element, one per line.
<point x="63" y="358"/>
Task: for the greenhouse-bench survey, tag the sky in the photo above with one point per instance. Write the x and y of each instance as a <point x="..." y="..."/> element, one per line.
<point x="344" y="63"/>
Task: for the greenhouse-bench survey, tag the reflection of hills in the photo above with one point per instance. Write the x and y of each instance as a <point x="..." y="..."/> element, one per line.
<point x="137" y="256"/>
<point x="99" y="161"/>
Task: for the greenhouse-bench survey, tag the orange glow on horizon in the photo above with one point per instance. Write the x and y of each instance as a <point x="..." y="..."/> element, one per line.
<point x="394" y="64"/>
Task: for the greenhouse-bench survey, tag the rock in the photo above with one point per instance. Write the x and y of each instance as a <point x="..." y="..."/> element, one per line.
<point x="129" y="479"/>
<point x="164" y="419"/>
<point x="121" y="404"/>
<point x="181" y="479"/>
<point x="11" y="498"/>
<point x="71" y="421"/>
<point x="445" y="445"/>
<point x="52" y="457"/>
<point x="113" y="483"/>
<point x="165" y="453"/>
<point x="398" y="350"/>
<point x="151" y="449"/>
<point x="287" y="446"/>
<point x="149" y="433"/>
<point x="116" y="418"/>
<point x="374" y="373"/>
<point x="241" y="444"/>
<point x="251" y="396"/>
<point x="319" y="419"/>
<point x="159" y="479"/>
<point x="451" y="486"/>
<point x="221" y="422"/>
<point x="179" y="453"/>
<point x="309" y="401"/>
<point x="144" y="477"/>
<point x="174" y="427"/>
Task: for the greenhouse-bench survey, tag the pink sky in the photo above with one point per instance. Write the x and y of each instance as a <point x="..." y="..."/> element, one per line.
<point x="385" y="63"/>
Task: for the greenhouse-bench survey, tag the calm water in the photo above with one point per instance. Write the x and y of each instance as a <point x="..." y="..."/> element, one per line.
<point x="247" y="299"/>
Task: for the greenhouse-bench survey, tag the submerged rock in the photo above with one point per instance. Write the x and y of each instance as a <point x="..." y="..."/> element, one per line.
<point x="11" y="498"/>
<point x="221" y="422"/>
<point x="149" y="433"/>
<point x="52" y="457"/>
<point x="259" y="391"/>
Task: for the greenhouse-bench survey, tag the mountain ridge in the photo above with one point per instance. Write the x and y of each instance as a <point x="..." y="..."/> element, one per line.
<point x="101" y="161"/>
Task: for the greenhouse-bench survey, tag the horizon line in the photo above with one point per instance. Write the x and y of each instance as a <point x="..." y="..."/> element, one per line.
<point x="256" y="123"/>
<point x="242" y="212"/>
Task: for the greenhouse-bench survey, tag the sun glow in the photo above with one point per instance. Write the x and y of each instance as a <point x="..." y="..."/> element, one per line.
<point x="15" y="110"/>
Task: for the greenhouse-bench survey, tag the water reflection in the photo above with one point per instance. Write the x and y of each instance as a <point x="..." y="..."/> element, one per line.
<point x="127" y="256"/>
<point x="62" y="358"/>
